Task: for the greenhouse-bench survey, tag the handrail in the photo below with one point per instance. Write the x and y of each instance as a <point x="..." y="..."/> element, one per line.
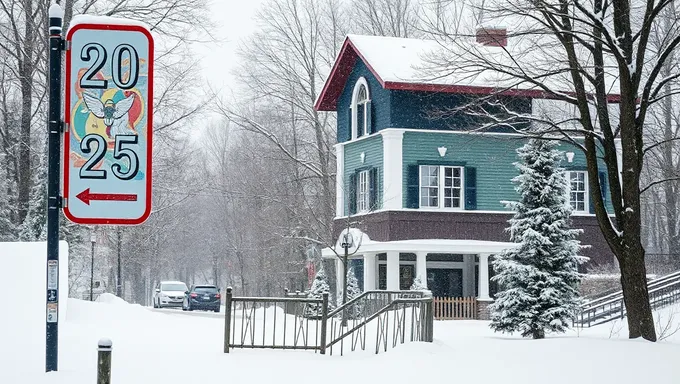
<point x="366" y="293"/>
<point x="619" y="296"/>
<point x="619" y="293"/>
<point x="612" y="306"/>
<point x="381" y="311"/>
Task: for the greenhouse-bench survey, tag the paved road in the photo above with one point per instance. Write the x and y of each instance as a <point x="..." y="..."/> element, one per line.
<point x="179" y="312"/>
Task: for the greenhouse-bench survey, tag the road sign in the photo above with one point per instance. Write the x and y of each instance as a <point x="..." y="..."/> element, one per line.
<point x="108" y="134"/>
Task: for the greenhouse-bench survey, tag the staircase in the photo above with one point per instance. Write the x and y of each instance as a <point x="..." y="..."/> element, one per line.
<point x="663" y="291"/>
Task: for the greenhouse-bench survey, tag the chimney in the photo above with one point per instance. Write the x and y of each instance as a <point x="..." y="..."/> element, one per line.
<point x="492" y="37"/>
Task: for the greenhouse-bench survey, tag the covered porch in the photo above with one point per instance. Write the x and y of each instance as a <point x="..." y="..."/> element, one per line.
<point x="454" y="270"/>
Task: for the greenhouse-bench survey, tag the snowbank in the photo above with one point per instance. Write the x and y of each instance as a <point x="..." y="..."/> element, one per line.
<point x="149" y="344"/>
<point x="23" y="270"/>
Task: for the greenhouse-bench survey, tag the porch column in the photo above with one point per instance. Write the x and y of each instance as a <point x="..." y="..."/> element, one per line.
<point x="339" y="279"/>
<point x="421" y="267"/>
<point x="469" y="276"/>
<point x="369" y="272"/>
<point x="484" y="276"/>
<point x="393" y="271"/>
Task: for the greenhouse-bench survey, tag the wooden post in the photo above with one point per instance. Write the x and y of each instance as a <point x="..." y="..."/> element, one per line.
<point x="104" y="349"/>
<point x="324" y="322"/>
<point x="227" y="319"/>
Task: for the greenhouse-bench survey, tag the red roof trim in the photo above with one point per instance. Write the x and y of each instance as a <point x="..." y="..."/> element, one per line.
<point x="335" y="83"/>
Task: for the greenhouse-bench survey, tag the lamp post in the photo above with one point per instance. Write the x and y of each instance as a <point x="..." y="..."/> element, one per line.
<point x="93" y="240"/>
<point x="347" y="242"/>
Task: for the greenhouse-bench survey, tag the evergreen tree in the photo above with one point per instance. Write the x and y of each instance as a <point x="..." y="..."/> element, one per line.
<point x="539" y="277"/>
<point x="353" y="291"/>
<point x="319" y="287"/>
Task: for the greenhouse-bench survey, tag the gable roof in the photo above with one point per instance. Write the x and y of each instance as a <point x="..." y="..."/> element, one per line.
<point x="417" y="65"/>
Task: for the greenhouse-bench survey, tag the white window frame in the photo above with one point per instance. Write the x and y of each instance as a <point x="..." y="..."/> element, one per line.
<point x="586" y="192"/>
<point x="355" y="119"/>
<point x="363" y="191"/>
<point x="440" y="188"/>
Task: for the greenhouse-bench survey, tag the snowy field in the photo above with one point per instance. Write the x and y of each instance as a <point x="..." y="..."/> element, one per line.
<point x="168" y="346"/>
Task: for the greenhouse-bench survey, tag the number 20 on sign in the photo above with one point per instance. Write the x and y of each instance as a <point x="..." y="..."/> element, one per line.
<point x="108" y="135"/>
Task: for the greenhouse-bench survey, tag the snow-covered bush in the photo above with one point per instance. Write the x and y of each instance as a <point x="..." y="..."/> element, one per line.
<point x="418" y="285"/>
<point x="539" y="277"/>
<point x="319" y="287"/>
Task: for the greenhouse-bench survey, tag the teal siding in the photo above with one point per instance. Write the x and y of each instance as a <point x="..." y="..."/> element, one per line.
<point x="372" y="147"/>
<point x="380" y="102"/>
<point x="492" y="156"/>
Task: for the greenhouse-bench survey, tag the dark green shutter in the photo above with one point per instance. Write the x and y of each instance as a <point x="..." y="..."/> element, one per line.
<point x="369" y="118"/>
<point x="352" y="190"/>
<point x="470" y="188"/>
<point x="413" y="186"/>
<point x="373" y="189"/>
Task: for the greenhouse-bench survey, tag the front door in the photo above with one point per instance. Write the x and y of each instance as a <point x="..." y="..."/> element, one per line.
<point x="445" y="282"/>
<point x="406" y="275"/>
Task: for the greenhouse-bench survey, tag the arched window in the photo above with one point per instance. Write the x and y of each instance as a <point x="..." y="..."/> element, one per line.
<point x="361" y="109"/>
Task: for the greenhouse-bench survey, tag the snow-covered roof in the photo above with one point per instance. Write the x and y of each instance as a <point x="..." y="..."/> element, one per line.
<point x="363" y="244"/>
<point x="453" y="67"/>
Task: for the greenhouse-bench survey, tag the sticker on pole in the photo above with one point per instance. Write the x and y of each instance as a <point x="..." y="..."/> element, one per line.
<point x="52" y="274"/>
<point x="109" y="109"/>
<point x="52" y="313"/>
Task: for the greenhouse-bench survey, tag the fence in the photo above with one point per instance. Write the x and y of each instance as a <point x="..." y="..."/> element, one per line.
<point x="455" y="308"/>
<point x="386" y="317"/>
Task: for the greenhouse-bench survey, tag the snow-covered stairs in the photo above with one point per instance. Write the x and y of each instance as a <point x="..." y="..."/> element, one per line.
<point x="663" y="292"/>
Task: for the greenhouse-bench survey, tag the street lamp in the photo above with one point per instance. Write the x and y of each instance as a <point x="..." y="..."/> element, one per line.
<point x="93" y="240"/>
<point x="347" y="243"/>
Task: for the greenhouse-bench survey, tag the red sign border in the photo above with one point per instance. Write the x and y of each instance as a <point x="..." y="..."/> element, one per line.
<point x="149" y="125"/>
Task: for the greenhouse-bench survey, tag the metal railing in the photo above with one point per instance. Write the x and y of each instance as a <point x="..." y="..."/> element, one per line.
<point x="306" y="323"/>
<point x="662" y="292"/>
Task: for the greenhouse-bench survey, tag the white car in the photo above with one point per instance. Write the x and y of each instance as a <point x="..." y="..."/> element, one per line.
<point x="169" y="294"/>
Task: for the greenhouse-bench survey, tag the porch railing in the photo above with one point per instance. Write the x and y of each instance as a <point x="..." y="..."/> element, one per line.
<point x="455" y="308"/>
<point x="386" y="317"/>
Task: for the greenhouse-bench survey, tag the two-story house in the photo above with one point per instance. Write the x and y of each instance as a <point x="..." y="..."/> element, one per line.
<point x="422" y="192"/>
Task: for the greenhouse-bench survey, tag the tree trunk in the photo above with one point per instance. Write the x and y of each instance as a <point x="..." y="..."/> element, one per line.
<point x="636" y="296"/>
<point x="538" y="334"/>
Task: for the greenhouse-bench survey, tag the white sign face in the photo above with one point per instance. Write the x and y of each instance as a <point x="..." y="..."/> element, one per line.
<point x="109" y="107"/>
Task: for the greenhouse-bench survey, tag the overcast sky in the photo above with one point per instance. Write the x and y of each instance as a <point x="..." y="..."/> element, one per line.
<point x="234" y="20"/>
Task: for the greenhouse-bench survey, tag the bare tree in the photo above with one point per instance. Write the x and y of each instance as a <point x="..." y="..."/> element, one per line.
<point x="397" y="18"/>
<point x="576" y="52"/>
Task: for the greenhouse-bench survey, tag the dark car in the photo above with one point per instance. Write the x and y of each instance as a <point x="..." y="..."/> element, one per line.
<point x="202" y="297"/>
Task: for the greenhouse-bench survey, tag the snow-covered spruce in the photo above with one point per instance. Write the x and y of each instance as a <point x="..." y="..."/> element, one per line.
<point x="538" y="279"/>
<point x="319" y="287"/>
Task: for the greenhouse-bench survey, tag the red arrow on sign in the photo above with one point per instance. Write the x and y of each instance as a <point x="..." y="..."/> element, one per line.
<point x="85" y="196"/>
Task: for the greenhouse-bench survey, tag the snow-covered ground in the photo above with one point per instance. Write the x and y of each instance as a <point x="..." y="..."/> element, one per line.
<point x="168" y="346"/>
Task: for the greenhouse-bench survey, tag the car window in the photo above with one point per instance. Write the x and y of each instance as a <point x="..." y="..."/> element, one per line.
<point x="173" y="287"/>
<point x="205" y="290"/>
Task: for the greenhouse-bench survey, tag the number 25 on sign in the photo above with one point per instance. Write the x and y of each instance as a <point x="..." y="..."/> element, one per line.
<point x="109" y="101"/>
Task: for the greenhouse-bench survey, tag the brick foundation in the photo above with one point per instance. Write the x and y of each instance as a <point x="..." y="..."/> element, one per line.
<point x="483" y="309"/>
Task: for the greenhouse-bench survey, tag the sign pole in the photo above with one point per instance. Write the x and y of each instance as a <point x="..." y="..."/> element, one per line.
<point x="53" y="199"/>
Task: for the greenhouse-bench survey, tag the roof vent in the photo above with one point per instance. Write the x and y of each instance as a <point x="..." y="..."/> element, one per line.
<point x="492" y="37"/>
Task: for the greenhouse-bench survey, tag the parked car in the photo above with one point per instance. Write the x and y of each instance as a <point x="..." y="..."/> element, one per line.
<point x="202" y="297"/>
<point x="169" y="294"/>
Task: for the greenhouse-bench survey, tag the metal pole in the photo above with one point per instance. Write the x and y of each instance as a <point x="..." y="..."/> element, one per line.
<point x="104" y="349"/>
<point x="324" y="322"/>
<point x="227" y="319"/>
<point x="92" y="272"/>
<point x="345" y="261"/>
<point x="119" y="278"/>
<point x="53" y="199"/>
